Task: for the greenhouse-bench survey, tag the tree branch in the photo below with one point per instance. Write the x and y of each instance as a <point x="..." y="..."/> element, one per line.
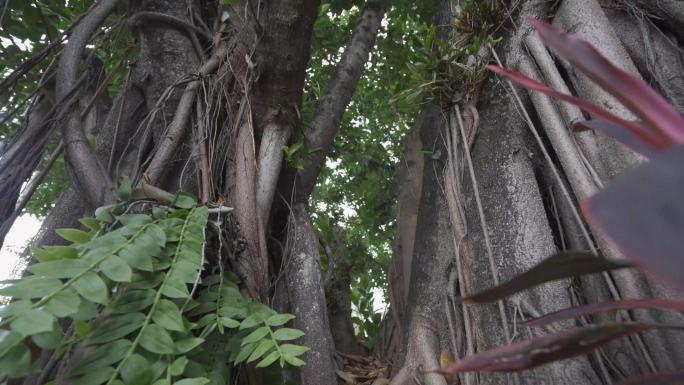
<point x="90" y="176"/>
<point x="326" y="121"/>
<point x="144" y="16"/>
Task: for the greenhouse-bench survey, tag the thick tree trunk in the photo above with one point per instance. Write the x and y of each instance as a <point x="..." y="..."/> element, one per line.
<point x="432" y="265"/>
<point x="303" y="274"/>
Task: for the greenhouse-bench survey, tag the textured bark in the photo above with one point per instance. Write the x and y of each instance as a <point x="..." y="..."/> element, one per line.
<point x="504" y="158"/>
<point x="303" y="274"/>
<point x="657" y="57"/>
<point x="172" y="137"/>
<point x="586" y="19"/>
<point x="671" y="11"/>
<point x="163" y="46"/>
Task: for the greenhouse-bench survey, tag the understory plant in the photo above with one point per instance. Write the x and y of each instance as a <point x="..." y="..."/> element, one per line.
<point x="641" y="212"/>
<point x="133" y="300"/>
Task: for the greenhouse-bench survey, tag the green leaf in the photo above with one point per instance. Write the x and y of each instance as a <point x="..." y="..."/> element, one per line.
<point x="136" y="371"/>
<point x="134" y="220"/>
<point x="86" y="311"/>
<point x="269" y="359"/>
<point x="255" y="336"/>
<point x="186" y="345"/>
<point x="158" y="369"/>
<point x="175" y="288"/>
<point x="91" y="223"/>
<point x="100" y="376"/>
<point x="32" y="287"/>
<point x="65" y="268"/>
<point x="192" y="381"/>
<point x="293" y="350"/>
<point x="132" y="301"/>
<point x="48" y="340"/>
<point x="103" y="214"/>
<point x="116" y="328"/>
<point x="178" y="366"/>
<point x="101" y="357"/>
<point x="157" y="340"/>
<point x="74" y="235"/>
<point x="92" y="288"/>
<point x="33" y="322"/>
<point x="159" y="213"/>
<point x="229" y="322"/>
<point x="279" y="319"/>
<point x="294" y="361"/>
<point x="261" y="349"/>
<point x="185" y="201"/>
<point x="53" y="253"/>
<point x="168" y="316"/>
<point x="82" y="328"/>
<point x="135" y="256"/>
<point x="287" y="334"/>
<point x="125" y="189"/>
<point x="245" y="352"/>
<point x="15" y="307"/>
<point x="16" y="362"/>
<point x="251" y="321"/>
<point x="116" y="269"/>
<point x="63" y="304"/>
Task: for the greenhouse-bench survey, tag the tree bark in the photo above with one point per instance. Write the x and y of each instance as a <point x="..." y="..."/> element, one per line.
<point x="303" y="274"/>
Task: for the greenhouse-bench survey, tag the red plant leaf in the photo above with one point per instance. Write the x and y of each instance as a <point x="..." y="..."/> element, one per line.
<point x="558" y="266"/>
<point x="642" y="213"/>
<point x="549" y="348"/>
<point x="635" y="130"/>
<point x="633" y="92"/>
<point x="671" y="378"/>
<point x="603" y="307"/>
<point x="615" y="131"/>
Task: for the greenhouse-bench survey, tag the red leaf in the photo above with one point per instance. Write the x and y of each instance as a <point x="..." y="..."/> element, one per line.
<point x="671" y="378"/>
<point x="642" y="212"/>
<point x="558" y="266"/>
<point x="617" y="132"/>
<point x="633" y="92"/>
<point x="549" y="348"/>
<point x="644" y="135"/>
<point x="603" y="307"/>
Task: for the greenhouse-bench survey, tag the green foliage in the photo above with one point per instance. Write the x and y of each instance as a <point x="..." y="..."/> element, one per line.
<point x="134" y="288"/>
<point x="366" y="320"/>
<point x="356" y="191"/>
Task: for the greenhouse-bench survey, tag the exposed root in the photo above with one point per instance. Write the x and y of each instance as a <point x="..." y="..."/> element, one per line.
<point x="422" y="356"/>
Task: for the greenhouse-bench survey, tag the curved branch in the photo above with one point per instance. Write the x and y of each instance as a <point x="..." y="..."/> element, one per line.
<point x="89" y="174"/>
<point x="326" y="121"/>
<point x="139" y="17"/>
